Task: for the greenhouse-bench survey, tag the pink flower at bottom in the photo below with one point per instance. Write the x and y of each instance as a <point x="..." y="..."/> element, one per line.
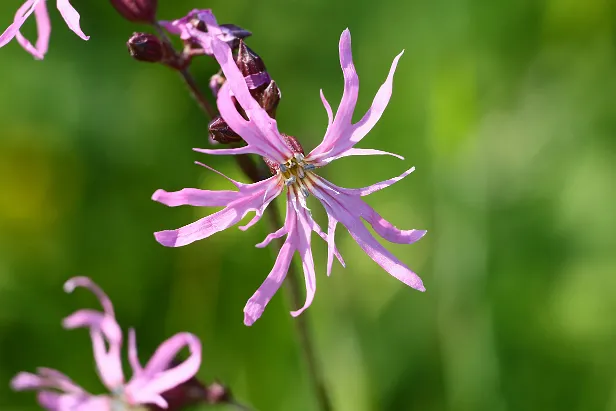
<point x="39" y="8"/>
<point x="295" y="172"/>
<point x="56" y="392"/>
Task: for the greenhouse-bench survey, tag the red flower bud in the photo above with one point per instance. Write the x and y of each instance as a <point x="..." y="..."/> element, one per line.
<point x="138" y="11"/>
<point x="146" y="47"/>
<point x="221" y="132"/>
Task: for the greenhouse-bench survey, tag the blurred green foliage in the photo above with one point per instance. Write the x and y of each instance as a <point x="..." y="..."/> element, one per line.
<point x="507" y="110"/>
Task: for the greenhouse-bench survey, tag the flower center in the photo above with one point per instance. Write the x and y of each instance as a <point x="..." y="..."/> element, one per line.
<point x="296" y="174"/>
<point x="119" y="402"/>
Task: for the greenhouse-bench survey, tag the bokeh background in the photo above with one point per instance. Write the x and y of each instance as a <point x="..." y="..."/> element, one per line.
<point x="507" y="110"/>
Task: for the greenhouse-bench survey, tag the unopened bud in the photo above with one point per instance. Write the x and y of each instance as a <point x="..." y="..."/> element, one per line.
<point x="186" y="394"/>
<point x="235" y="31"/>
<point x="220" y="131"/>
<point x="139" y="11"/>
<point x="146" y="47"/>
<point x="270" y="98"/>
<point x="248" y="61"/>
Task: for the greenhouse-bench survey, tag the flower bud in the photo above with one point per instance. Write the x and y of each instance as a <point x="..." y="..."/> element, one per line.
<point x="248" y="61"/>
<point x="235" y="31"/>
<point x="220" y="131"/>
<point x="269" y="98"/>
<point x="146" y="47"/>
<point x="138" y="11"/>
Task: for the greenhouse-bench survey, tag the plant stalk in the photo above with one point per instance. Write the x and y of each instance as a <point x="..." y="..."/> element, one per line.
<point x="294" y="287"/>
<point x="189" y="80"/>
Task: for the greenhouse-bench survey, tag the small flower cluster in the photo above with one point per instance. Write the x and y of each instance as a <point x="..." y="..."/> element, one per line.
<point x="147" y="385"/>
<point x="246" y="99"/>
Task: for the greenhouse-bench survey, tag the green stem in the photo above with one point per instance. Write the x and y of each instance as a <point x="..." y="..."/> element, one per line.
<point x="294" y="287"/>
<point x="189" y="80"/>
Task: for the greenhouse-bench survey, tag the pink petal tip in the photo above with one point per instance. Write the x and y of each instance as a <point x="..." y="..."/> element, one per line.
<point x="168" y="238"/>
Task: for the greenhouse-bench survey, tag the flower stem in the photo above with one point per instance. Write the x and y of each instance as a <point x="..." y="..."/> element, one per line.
<point x="294" y="286"/>
<point x="189" y="80"/>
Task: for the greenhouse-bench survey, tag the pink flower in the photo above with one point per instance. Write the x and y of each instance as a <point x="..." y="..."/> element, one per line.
<point x="39" y="8"/>
<point x="295" y="172"/>
<point x="58" y="393"/>
<point x="200" y="27"/>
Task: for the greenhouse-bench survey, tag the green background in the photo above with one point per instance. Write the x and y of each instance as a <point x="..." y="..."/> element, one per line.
<point x="507" y="110"/>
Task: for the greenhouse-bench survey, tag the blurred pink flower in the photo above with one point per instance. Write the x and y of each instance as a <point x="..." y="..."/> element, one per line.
<point x="39" y="8"/>
<point x="199" y="27"/>
<point x="295" y="172"/>
<point x="58" y="393"/>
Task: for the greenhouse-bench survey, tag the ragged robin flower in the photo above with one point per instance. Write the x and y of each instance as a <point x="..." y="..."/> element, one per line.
<point x="296" y="173"/>
<point x="39" y="8"/>
<point x="56" y="392"/>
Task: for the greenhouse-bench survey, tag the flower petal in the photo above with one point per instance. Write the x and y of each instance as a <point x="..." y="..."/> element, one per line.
<point x="54" y="401"/>
<point x="46" y="378"/>
<point x="328" y="109"/>
<point x="246" y="128"/>
<point x="133" y="357"/>
<point x="195" y="197"/>
<point x="86" y="282"/>
<point x="374" y="187"/>
<point x="250" y="199"/>
<point x="44" y="30"/>
<point x="71" y="17"/>
<point x="349" y="216"/>
<point x="303" y="235"/>
<point x="331" y="243"/>
<point x="267" y="138"/>
<point x="341" y="126"/>
<point x="343" y="135"/>
<point x="229" y="151"/>
<point x="351" y="201"/>
<point x="374" y="113"/>
<point x="356" y="152"/>
<point x="104" y="332"/>
<point x="20" y="17"/>
<point x="285" y="229"/>
<point x="268" y="197"/>
<point x="157" y="377"/>
<point x="257" y="303"/>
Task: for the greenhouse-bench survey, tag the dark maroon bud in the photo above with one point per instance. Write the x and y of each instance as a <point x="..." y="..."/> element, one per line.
<point x="184" y="395"/>
<point x="221" y="132"/>
<point x="146" y="47"/>
<point x="236" y="31"/>
<point x="138" y="11"/>
<point x="270" y="98"/>
<point x="248" y="61"/>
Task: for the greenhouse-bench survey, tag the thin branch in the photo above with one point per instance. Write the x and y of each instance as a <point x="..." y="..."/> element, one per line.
<point x="203" y="103"/>
<point x="294" y="286"/>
